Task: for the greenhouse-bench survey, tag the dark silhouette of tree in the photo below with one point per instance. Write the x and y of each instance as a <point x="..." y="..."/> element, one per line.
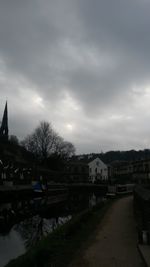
<point x="44" y="142"/>
<point x="41" y="141"/>
<point x="110" y="156"/>
<point x="63" y="148"/>
<point x="68" y="149"/>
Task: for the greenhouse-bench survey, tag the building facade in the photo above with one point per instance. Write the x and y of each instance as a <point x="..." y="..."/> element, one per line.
<point x="98" y="171"/>
<point x="137" y="171"/>
<point x="76" y="171"/>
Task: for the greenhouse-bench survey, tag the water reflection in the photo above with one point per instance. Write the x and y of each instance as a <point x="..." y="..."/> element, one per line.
<point x="16" y="211"/>
<point x="24" y="223"/>
<point x="33" y="229"/>
<point x="11" y="246"/>
<point x="92" y="200"/>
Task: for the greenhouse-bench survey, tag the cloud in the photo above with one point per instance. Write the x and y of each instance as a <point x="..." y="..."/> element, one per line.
<point x="79" y="63"/>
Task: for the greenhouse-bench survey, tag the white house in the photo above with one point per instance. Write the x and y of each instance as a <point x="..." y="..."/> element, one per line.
<point x="97" y="170"/>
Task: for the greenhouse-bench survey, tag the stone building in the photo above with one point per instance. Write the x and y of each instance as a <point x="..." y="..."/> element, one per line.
<point x="82" y="169"/>
<point x="98" y="170"/>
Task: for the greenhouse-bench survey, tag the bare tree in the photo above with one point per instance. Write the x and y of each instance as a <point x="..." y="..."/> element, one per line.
<point x="63" y="148"/>
<point x="41" y="141"/>
<point x="69" y="149"/>
<point x="44" y="141"/>
<point x="30" y="144"/>
<point x="44" y="136"/>
<point x="58" y="144"/>
<point x="66" y="149"/>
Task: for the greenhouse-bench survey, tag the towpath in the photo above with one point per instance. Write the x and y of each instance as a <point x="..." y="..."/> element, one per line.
<point x="115" y="242"/>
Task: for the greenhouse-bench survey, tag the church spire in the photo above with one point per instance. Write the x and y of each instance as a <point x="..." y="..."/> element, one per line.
<point x="4" y="125"/>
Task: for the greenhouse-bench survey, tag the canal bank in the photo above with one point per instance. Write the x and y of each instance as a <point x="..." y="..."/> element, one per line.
<point x="25" y="191"/>
<point x="10" y="191"/>
<point x="104" y="236"/>
<point x="27" y="221"/>
<point x="59" y="247"/>
<point x="66" y="240"/>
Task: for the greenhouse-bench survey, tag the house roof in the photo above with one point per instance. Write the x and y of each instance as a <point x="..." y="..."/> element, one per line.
<point x="85" y="159"/>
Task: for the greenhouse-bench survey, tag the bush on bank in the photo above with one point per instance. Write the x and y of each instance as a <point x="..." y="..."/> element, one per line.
<point x="60" y="247"/>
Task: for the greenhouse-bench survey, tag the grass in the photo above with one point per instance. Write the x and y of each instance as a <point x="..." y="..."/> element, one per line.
<point x="60" y="247"/>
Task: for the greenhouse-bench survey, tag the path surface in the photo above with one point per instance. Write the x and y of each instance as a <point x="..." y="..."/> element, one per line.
<point x="115" y="244"/>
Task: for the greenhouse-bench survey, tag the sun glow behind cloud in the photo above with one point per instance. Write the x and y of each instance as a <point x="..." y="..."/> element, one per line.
<point x="69" y="127"/>
<point x="37" y="100"/>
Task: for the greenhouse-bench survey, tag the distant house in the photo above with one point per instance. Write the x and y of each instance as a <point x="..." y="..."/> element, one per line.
<point x="86" y="169"/>
<point x="76" y="171"/>
<point x="98" y="170"/>
<point x="137" y="171"/>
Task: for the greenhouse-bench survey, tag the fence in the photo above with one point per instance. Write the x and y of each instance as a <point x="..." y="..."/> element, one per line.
<point x="142" y="213"/>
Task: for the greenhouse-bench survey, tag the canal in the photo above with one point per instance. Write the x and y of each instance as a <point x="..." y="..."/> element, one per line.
<point x="23" y="223"/>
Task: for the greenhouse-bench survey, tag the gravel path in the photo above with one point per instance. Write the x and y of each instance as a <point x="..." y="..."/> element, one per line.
<point x="115" y="244"/>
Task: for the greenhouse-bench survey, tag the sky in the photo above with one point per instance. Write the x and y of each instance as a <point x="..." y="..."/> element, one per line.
<point x="82" y="65"/>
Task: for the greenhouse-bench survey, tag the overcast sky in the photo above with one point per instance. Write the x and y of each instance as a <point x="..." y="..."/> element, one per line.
<point x="82" y="65"/>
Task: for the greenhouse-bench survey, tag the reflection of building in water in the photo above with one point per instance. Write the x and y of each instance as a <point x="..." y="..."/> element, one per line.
<point x="33" y="229"/>
<point x="92" y="200"/>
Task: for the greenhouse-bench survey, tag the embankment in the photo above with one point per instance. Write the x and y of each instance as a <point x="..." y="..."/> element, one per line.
<point x="59" y="247"/>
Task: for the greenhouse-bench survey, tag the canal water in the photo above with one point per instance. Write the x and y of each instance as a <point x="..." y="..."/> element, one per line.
<point x="23" y="223"/>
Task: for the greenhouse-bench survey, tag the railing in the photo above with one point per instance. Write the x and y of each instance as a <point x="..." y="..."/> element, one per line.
<point x="142" y="213"/>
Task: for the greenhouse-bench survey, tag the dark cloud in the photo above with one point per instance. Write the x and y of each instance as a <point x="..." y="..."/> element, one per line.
<point x="81" y="64"/>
